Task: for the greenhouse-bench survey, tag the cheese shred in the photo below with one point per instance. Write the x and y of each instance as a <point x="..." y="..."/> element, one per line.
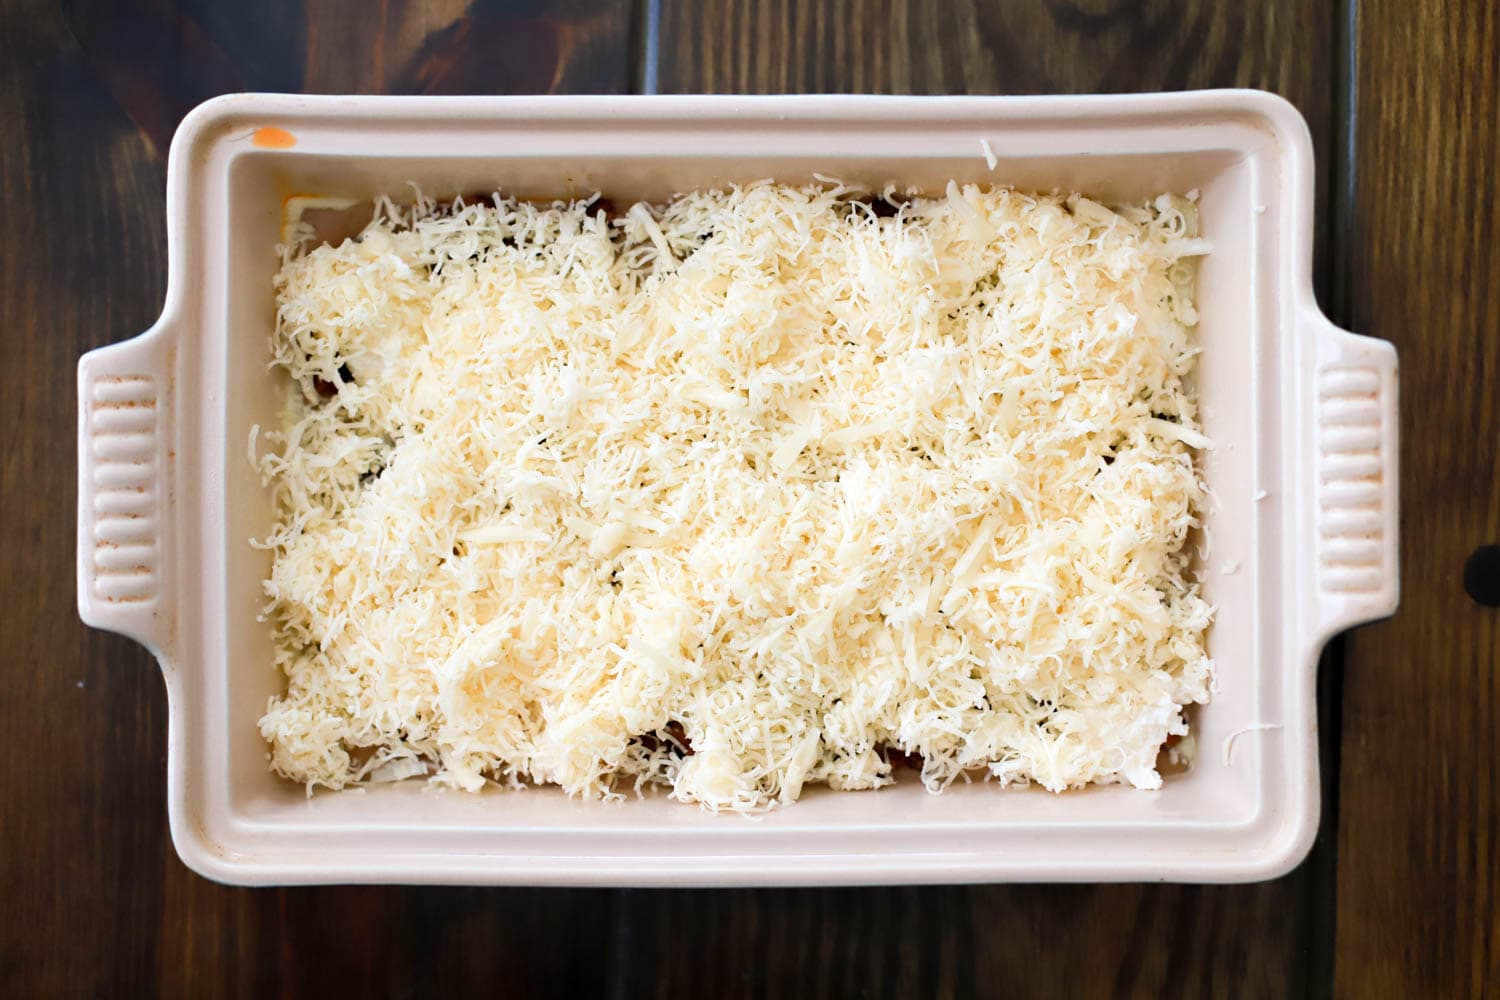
<point x="758" y="489"/>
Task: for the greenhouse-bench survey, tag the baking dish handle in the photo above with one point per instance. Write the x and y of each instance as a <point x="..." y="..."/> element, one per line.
<point x="124" y="476"/>
<point x="1356" y="460"/>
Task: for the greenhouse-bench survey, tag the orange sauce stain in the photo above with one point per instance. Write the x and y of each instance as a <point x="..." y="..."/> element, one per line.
<point x="271" y="137"/>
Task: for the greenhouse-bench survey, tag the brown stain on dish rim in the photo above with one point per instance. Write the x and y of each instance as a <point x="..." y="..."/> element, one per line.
<point x="273" y="137"/>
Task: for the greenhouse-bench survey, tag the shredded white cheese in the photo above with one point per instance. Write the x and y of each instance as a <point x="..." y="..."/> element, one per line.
<point x="990" y="160"/>
<point x="1254" y="727"/>
<point x="737" y="494"/>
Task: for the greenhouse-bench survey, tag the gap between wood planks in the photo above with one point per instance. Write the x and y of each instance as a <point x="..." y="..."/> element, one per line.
<point x="1340" y="226"/>
<point x="645" y="57"/>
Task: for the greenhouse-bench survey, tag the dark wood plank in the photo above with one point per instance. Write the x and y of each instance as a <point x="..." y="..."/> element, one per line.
<point x="1419" y="849"/>
<point x="95" y="901"/>
<point x="1262" y="940"/>
<point x="1045" y="941"/>
<point x="158" y="58"/>
<point x="81" y="264"/>
<point x="995" y="47"/>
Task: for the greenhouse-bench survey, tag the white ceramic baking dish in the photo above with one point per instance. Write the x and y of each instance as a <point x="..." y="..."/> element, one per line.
<point x="1301" y="541"/>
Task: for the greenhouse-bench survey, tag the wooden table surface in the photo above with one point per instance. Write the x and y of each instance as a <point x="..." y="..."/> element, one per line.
<point x="1399" y="896"/>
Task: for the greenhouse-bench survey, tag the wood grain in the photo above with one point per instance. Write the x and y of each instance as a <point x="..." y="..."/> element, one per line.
<point x="77" y="826"/>
<point x="1140" y="941"/>
<point x="1419" y="849"/>
<point x="159" y="58"/>
<point x="995" y="47"/>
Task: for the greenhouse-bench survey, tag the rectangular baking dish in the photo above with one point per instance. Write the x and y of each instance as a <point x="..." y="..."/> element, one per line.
<point x="1299" y="543"/>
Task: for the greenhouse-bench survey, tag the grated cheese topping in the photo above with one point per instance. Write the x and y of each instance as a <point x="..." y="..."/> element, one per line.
<point x="738" y="494"/>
